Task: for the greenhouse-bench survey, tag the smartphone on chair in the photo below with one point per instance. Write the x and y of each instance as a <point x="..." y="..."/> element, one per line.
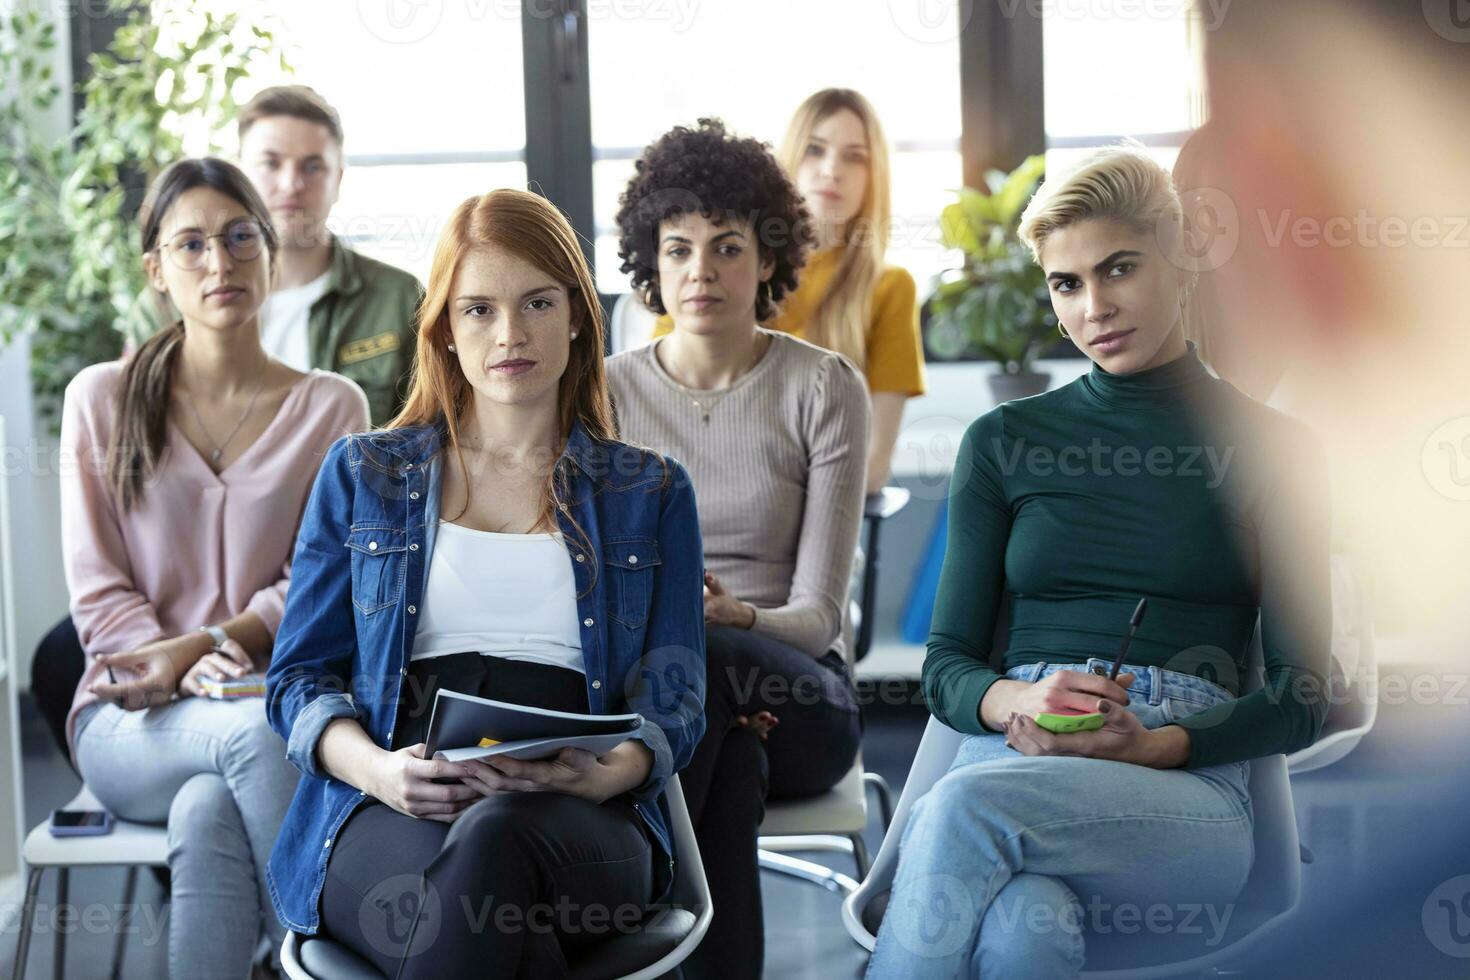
<point x="80" y="823"/>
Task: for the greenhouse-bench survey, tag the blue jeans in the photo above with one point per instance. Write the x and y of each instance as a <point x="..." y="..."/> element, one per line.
<point x="217" y="774"/>
<point x="1009" y="861"/>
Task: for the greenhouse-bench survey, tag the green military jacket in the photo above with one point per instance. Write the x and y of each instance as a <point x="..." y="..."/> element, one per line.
<point x="362" y="327"/>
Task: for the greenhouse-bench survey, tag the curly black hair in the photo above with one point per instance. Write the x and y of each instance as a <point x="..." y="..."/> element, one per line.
<point x="707" y="171"/>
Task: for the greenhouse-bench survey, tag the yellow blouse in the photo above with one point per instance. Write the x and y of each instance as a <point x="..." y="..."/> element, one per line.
<point x="895" y="352"/>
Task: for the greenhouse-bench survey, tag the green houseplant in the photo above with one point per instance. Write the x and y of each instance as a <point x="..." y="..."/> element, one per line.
<point x="69" y="263"/>
<point x="995" y="305"/>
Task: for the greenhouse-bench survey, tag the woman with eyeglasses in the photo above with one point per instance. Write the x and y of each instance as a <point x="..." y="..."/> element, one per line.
<point x="188" y="466"/>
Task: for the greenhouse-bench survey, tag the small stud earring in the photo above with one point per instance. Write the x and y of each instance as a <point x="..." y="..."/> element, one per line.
<point x="451" y="348"/>
<point x="574" y="335"/>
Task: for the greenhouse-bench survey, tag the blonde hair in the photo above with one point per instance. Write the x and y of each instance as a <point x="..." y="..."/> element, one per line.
<point x="531" y="228"/>
<point x="840" y="322"/>
<point x="1120" y="182"/>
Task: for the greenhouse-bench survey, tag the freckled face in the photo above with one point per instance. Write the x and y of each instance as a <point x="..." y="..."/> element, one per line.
<point x="512" y="326"/>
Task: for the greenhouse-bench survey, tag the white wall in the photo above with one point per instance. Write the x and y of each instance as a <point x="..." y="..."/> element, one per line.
<point x="28" y="464"/>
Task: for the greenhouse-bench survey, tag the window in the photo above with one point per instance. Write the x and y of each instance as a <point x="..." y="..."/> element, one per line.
<point x="1116" y="70"/>
<point x="432" y="110"/>
<point x="432" y="96"/>
<point x="751" y="64"/>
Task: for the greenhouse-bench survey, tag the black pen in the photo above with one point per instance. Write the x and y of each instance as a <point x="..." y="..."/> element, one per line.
<point x="1128" y="637"/>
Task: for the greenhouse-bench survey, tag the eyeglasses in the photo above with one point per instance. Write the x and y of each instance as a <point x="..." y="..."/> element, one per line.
<point x="188" y="250"/>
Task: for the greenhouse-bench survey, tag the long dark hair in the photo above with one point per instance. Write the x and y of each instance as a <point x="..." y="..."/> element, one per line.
<point x="143" y="397"/>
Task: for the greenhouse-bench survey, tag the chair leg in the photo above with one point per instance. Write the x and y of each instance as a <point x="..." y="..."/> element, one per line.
<point x="58" y="941"/>
<point x="130" y="888"/>
<point x="27" y="921"/>
<point x="859" y="855"/>
<point x="885" y="797"/>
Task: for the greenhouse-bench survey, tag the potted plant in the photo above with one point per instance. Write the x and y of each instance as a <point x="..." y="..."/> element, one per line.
<point x="995" y="304"/>
<point x="69" y="266"/>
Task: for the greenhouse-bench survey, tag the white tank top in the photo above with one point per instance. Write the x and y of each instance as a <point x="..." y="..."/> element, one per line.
<point x="501" y="595"/>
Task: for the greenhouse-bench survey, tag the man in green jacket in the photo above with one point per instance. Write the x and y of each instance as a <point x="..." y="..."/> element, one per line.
<point x="331" y="307"/>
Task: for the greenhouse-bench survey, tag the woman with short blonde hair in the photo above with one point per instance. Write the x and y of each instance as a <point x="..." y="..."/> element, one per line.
<point x="1147" y="478"/>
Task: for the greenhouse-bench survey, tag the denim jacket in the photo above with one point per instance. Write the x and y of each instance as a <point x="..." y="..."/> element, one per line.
<point x="358" y="577"/>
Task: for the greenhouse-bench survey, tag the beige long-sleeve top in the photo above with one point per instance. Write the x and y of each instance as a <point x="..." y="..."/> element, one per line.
<point x="198" y="547"/>
<point x="778" y="475"/>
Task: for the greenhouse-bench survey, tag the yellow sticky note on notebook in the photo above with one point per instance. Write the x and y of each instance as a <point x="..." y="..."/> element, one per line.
<point x="485" y="743"/>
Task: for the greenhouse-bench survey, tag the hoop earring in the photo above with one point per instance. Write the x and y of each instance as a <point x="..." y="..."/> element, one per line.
<point x="1061" y="330"/>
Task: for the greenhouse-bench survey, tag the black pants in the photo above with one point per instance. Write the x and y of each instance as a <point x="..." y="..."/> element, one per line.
<point x="55" y="673"/>
<point x="515" y="886"/>
<point x="733" y="772"/>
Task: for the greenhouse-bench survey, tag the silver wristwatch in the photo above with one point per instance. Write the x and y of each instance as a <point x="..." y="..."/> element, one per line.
<point x="218" y="635"/>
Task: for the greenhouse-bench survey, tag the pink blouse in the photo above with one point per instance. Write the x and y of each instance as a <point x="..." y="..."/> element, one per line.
<point x="197" y="547"/>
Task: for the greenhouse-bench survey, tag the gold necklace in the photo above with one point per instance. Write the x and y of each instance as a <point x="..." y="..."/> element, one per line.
<point x="705" y="404"/>
<point x="219" y="447"/>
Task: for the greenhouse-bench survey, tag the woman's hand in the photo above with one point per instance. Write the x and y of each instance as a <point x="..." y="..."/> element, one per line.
<point x="761" y="723"/>
<point x="228" y="660"/>
<point x="152" y="673"/>
<point x="404" y="780"/>
<point x="575" y="772"/>
<point x="723" y="609"/>
<point x="1122" y="738"/>
<point x="1071" y="691"/>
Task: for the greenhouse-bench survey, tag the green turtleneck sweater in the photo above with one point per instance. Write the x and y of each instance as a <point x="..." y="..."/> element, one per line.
<point x="1066" y="508"/>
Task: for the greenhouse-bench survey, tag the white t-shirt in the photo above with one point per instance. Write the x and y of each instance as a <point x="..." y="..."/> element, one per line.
<point x="501" y="595"/>
<point x="283" y="320"/>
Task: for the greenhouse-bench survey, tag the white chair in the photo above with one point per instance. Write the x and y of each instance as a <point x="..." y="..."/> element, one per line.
<point x="631" y="324"/>
<point x="130" y="845"/>
<point x="1271" y="892"/>
<point x="836" y="820"/>
<point x="663" y="941"/>
<point x="1355" y="659"/>
<point x="831" y="821"/>
<point x="1348" y="722"/>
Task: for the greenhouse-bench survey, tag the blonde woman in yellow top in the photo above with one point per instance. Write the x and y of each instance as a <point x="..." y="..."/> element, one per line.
<point x="848" y="300"/>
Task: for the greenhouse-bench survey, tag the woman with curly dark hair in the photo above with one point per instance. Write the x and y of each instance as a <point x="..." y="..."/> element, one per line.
<point x="774" y="433"/>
